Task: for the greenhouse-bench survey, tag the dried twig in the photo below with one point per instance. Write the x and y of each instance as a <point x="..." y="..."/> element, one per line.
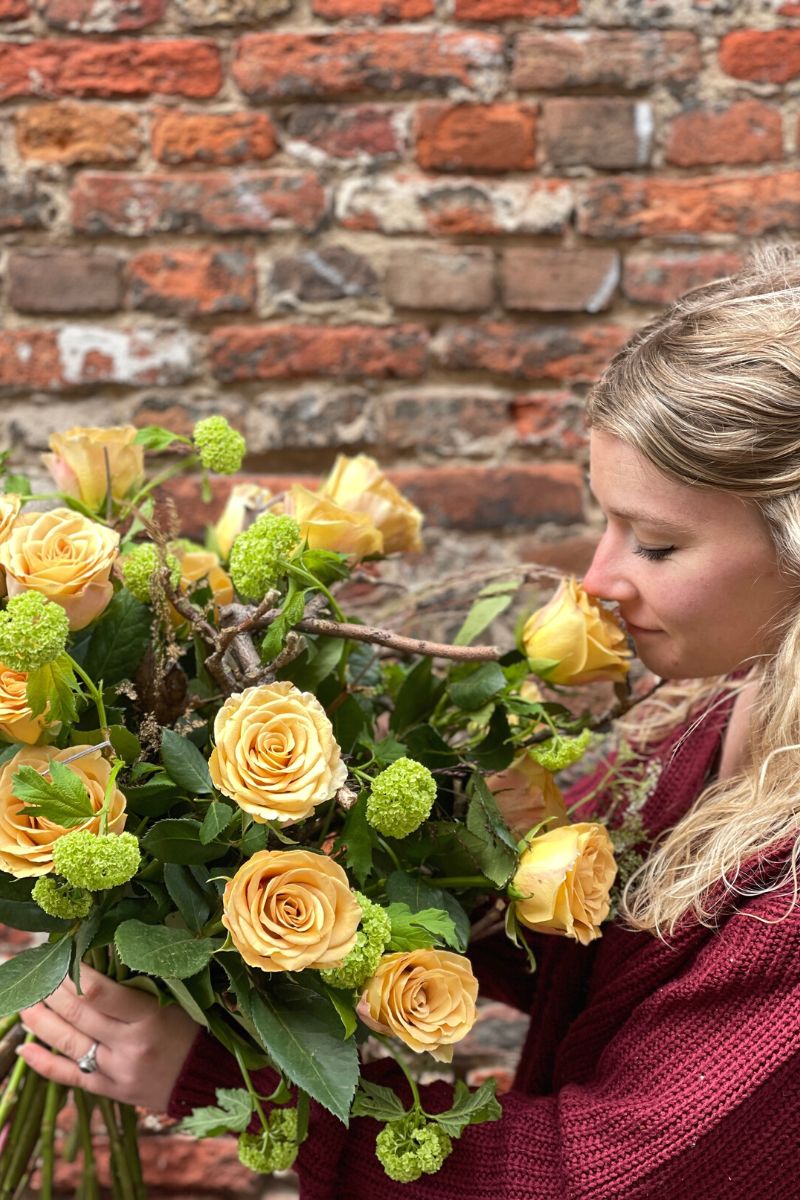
<point x="394" y="641"/>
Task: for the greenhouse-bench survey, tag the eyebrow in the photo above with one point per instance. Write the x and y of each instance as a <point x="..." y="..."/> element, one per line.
<point x="645" y="517"/>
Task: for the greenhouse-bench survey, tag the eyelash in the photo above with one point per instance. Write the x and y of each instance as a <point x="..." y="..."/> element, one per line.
<point x="656" y="555"/>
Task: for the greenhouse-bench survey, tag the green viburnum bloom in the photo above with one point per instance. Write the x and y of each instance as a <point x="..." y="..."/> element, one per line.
<point x="58" y="898"/>
<point x="96" y="861"/>
<point x="220" y="447"/>
<point x="558" y="753"/>
<point x="139" y="566"/>
<point x="401" y="798"/>
<point x="273" y="1149"/>
<point x="256" y="554"/>
<point x="33" y="632"/>
<point x="371" y="941"/>
<point x="411" y="1146"/>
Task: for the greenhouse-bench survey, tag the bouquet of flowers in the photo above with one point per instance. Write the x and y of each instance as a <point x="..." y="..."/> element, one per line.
<point x="217" y="786"/>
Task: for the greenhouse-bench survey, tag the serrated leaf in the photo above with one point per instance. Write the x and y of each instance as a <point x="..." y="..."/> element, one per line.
<point x="177" y="840"/>
<point x="158" y="950"/>
<point x="187" y="1001"/>
<point x="470" y="1108"/>
<point x="33" y="975"/>
<point x="380" y="1103"/>
<point x="356" y="837"/>
<point x="471" y="687"/>
<point x="185" y="764"/>
<point x="155" y="437"/>
<point x="217" y="819"/>
<point x="63" y="799"/>
<point x="413" y="891"/>
<point x="187" y="895"/>
<point x="420" y="930"/>
<point x="231" y="1114"/>
<point x="119" y="640"/>
<point x="53" y="687"/>
<point x="498" y="849"/>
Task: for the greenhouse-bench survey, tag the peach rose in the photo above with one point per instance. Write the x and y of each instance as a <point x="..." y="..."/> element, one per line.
<point x="198" y="564"/>
<point x="26" y="843"/>
<point x="246" y="502"/>
<point x="78" y="462"/>
<point x="527" y="794"/>
<point x="289" y="909"/>
<point x="275" y="753"/>
<point x="66" y="557"/>
<point x="424" y="997"/>
<point x="359" y="485"/>
<point x="588" y="643"/>
<point x="563" y="881"/>
<point x="17" y="722"/>
<point x="10" y="504"/>
<point x="327" y="526"/>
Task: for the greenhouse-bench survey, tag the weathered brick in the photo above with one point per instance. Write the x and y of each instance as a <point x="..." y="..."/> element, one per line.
<point x="14" y="10"/>
<point x="663" y="14"/>
<point x="24" y="204"/>
<point x="192" y="282"/>
<point x="70" y="132"/>
<point x="181" y="412"/>
<point x="550" y="419"/>
<point x="320" y="276"/>
<point x="293" y="351"/>
<point x="745" y="132"/>
<point x="619" y="58"/>
<point x="75" y="355"/>
<point x="361" y="131"/>
<point x="523" y="10"/>
<point x="87" y="16"/>
<point x="748" y="205"/>
<point x="63" y="281"/>
<point x="562" y="280"/>
<point x="218" y="202"/>
<point x="412" y="204"/>
<point x="457" y="278"/>
<point x="572" y="555"/>
<point x="83" y="68"/>
<point x="530" y="351"/>
<point x="476" y="137"/>
<point x="765" y="56"/>
<point x="221" y="138"/>
<point x="509" y="498"/>
<point x="199" y="14"/>
<point x="661" y="278"/>
<point x="378" y="10"/>
<point x="598" y="132"/>
<point x="445" y="420"/>
<point x="276" y="66"/>
<point x="311" y="418"/>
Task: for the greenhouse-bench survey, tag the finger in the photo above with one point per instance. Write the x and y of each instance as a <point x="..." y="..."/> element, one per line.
<point x="114" y="1000"/>
<point x="79" y="1012"/>
<point x="61" y="1036"/>
<point x="63" y="1070"/>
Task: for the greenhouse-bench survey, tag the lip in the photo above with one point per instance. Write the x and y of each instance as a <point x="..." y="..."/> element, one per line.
<point x="635" y="630"/>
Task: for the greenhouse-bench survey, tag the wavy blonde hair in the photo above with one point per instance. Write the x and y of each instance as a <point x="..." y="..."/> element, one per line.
<point x="709" y="393"/>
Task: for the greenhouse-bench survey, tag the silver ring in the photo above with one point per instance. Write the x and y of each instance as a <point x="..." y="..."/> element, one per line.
<point x="88" y="1061"/>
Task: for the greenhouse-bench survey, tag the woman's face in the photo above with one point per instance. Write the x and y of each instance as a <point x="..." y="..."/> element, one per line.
<point x="694" y="571"/>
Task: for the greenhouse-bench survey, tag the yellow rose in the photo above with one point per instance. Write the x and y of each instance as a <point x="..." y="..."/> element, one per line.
<point x="563" y="881"/>
<point x="526" y="794"/>
<point x="78" y="462"/>
<point x="10" y="504"/>
<point x="289" y="909"/>
<point x="424" y="997"/>
<point x="327" y="526"/>
<point x="66" y="557"/>
<point x="26" y="843"/>
<point x="359" y="485"/>
<point x="275" y="752"/>
<point x="588" y="642"/>
<point x="197" y="564"/>
<point x="17" y="722"/>
<point x="246" y="502"/>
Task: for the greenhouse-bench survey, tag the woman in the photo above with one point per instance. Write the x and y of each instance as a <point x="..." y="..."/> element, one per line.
<point x="661" y="1062"/>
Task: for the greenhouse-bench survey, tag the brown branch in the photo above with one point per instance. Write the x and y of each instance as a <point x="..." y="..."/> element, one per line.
<point x="394" y="641"/>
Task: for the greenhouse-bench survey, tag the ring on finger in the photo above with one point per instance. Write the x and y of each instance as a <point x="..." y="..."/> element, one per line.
<point x="87" y="1063"/>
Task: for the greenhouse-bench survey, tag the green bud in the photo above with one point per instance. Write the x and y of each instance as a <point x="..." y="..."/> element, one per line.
<point x="221" y="448"/>
<point x="33" y="632"/>
<point x="558" y="753"/>
<point x="371" y="941"/>
<point x="139" y="566"/>
<point x="58" y="898"/>
<point x="96" y="861"/>
<point x="273" y="1149"/>
<point x="256" y="556"/>
<point x="401" y="798"/>
<point x="410" y="1147"/>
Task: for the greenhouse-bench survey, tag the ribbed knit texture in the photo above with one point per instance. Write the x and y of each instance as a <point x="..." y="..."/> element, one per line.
<point x="650" y="1071"/>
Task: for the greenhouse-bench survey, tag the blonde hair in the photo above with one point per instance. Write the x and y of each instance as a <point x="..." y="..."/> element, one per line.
<point x="709" y="392"/>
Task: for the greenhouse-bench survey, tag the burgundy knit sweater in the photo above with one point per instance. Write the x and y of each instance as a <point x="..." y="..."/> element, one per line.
<point x="650" y="1071"/>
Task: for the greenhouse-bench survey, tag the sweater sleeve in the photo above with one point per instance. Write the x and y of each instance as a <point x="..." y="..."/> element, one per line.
<point x="697" y="1094"/>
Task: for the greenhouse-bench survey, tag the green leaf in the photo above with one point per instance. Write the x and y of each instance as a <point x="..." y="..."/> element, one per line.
<point x="185" y="764"/>
<point x="380" y="1103"/>
<point x="54" y="685"/>
<point x="177" y="840"/>
<point x="420" y="930"/>
<point x="20" y="912"/>
<point x="63" y="800"/>
<point x="186" y="1000"/>
<point x="414" y="892"/>
<point x="470" y="1108"/>
<point x="496" y="750"/>
<point x="322" y="656"/>
<point x="356" y="837"/>
<point x="119" y="640"/>
<point x="33" y="975"/>
<point x="416" y="697"/>
<point x="217" y="819"/>
<point x="388" y="750"/>
<point x="498" y="855"/>
<point x="155" y="437"/>
<point x="491" y="602"/>
<point x="471" y="686"/>
<point x="232" y="1115"/>
<point x="187" y="895"/>
<point x="301" y="1032"/>
<point x="157" y="950"/>
<point x="17" y="483"/>
<point x="348" y="722"/>
<point x="293" y="611"/>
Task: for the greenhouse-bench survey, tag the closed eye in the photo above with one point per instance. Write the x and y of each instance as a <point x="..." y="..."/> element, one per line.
<point x="654" y="554"/>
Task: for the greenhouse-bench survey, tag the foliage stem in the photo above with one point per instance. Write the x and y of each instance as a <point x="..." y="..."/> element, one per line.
<point x="251" y="1089"/>
<point x="119" y="1162"/>
<point x="53" y="1101"/>
<point x="95" y="694"/>
<point x="89" y="1189"/>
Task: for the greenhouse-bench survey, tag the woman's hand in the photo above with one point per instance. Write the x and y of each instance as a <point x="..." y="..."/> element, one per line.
<point x="140" y="1045"/>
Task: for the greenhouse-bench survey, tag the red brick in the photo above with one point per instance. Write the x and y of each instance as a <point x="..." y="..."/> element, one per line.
<point x="789" y="10"/>
<point x="13" y="10"/>
<point x="745" y="132"/>
<point x="82" y="68"/>
<point x="660" y="278"/>
<point x="598" y="132"/>
<point x="523" y="10"/>
<point x="294" y="351"/>
<point x="192" y="282"/>
<point x="360" y="131"/>
<point x="614" y="58"/>
<point x="531" y="351"/>
<point x="745" y="205"/>
<point x="76" y="355"/>
<point x="510" y="498"/>
<point x="24" y="205"/>
<point x="768" y="56"/>
<point x="572" y="555"/>
<point x="379" y="10"/>
<point x="562" y="280"/>
<point x="552" y="419"/>
<point x="218" y="202"/>
<point x="63" y="281"/>
<point x="446" y="419"/>
<point x="274" y="66"/>
<point x="458" y="278"/>
<point x="320" y="275"/>
<point x="87" y="16"/>
<point x="476" y="137"/>
<point x="221" y="138"/>
<point x="70" y="132"/>
<point x="412" y="204"/>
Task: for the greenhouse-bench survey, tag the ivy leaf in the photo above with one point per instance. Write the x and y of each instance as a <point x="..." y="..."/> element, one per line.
<point x="420" y="930"/>
<point x="380" y="1103"/>
<point x="470" y="1108"/>
<point x="64" y="800"/>
<point x="231" y="1115"/>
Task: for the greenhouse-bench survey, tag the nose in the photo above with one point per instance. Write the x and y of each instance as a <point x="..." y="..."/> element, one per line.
<point x="606" y="576"/>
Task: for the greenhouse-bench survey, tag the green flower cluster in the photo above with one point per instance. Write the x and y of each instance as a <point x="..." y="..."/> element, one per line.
<point x="558" y="753"/>
<point x="273" y="1149"/>
<point x="221" y="448"/>
<point x="371" y="941"/>
<point x="139" y="566"/>
<point x="401" y="798"/>
<point x="33" y="632"/>
<point x="58" y="898"/>
<point x="411" y="1146"/>
<point x="256" y="554"/>
<point x="96" y="861"/>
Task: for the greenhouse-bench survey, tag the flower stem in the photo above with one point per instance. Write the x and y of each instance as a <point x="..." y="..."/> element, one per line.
<point x="53" y="1101"/>
<point x="8" y="1023"/>
<point x="130" y="1144"/>
<point x="95" y="694"/>
<point x="90" y="1189"/>
<point x="119" y="1164"/>
<point x="412" y="1083"/>
<point x="251" y="1089"/>
<point x="23" y="1134"/>
<point x="13" y="1085"/>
